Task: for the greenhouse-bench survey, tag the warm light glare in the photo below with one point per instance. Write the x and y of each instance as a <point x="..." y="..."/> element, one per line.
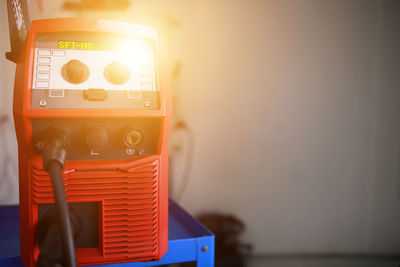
<point x="134" y="51"/>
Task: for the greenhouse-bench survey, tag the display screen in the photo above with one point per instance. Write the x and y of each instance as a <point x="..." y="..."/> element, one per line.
<point x="75" y="45"/>
<point x="85" y="45"/>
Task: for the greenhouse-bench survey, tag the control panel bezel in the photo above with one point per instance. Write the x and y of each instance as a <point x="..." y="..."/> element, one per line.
<point x="51" y="90"/>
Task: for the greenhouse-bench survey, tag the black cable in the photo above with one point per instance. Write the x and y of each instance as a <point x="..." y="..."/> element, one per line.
<point x="54" y="154"/>
<point x="55" y="170"/>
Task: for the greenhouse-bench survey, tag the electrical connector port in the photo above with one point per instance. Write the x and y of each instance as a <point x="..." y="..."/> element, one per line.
<point x="133" y="137"/>
<point x="96" y="138"/>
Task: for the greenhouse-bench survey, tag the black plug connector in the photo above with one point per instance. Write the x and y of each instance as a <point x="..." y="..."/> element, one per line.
<point x="55" y="147"/>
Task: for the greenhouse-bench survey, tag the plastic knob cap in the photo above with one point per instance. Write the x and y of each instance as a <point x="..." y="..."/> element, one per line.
<point x="116" y="73"/>
<point x="75" y="71"/>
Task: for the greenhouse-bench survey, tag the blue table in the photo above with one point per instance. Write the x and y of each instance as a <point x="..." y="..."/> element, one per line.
<point x="188" y="240"/>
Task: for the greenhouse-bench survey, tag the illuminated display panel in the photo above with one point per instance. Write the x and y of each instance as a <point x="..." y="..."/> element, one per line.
<point x="97" y="52"/>
<point x="81" y="45"/>
<point x="84" y="45"/>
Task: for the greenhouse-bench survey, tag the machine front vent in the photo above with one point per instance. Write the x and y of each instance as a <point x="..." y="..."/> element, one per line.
<point x="129" y="212"/>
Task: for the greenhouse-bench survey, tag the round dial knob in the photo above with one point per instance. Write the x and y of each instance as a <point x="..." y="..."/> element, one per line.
<point x="116" y="73"/>
<point x="75" y="71"/>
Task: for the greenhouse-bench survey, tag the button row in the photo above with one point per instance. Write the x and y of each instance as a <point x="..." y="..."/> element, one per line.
<point x="43" y="67"/>
<point x="147" y="76"/>
<point x="48" y="52"/>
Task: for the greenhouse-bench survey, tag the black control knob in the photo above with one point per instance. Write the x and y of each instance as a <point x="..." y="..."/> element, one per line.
<point x="96" y="139"/>
<point x="116" y="73"/>
<point x="75" y="71"/>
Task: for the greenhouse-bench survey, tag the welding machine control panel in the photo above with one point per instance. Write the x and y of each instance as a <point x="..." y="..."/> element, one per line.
<point x="97" y="71"/>
<point x="94" y="71"/>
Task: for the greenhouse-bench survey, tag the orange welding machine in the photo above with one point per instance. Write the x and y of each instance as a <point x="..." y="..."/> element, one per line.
<point x="92" y="123"/>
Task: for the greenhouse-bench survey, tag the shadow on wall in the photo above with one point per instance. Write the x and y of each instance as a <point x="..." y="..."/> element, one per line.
<point x="229" y="249"/>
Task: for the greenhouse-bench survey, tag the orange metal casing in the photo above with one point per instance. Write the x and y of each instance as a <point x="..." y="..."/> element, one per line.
<point x="33" y="180"/>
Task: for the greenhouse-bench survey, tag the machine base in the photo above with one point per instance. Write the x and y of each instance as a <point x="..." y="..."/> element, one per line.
<point x="188" y="240"/>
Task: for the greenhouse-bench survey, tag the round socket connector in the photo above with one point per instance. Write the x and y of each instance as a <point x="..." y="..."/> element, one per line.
<point x="133" y="137"/>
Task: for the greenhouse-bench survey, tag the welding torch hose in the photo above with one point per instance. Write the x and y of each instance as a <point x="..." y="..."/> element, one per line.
<point x="55" y="170"/>
<point x="54" y="155"/>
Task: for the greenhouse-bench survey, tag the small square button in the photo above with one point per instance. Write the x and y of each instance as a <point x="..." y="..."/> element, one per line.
<point x="43" y="52"/>
<point x="146" y="78"/>
<point x="43" y="76"/>
<point x="134" y="94"/>
<point x="43" y="67"/>
<point x="42" y="84"/>
<point x="147" y="73"/>
<point x="45" y="60"/>
<point x="147" y="86"/>
<point x="56" y="93"/>
<point x="59" y="53"/>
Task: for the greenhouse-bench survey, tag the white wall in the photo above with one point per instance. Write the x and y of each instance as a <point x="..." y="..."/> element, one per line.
<point x="294" y="106"/>
<point x="8" y="141"/>
<point x="289" y="108"/>
<point x="296" y="125"/>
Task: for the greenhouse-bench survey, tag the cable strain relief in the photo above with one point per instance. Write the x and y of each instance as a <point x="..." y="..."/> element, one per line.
<point x="55" y="147"/>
